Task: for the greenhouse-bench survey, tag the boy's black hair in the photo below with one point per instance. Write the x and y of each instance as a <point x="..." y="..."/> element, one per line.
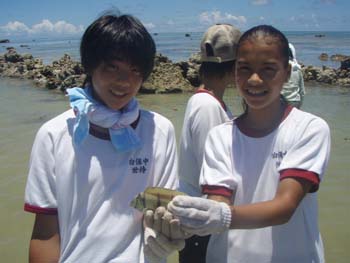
<point x="121" y="37"/>
<point x="268" y="31"/>
<point x="216" y="70"/>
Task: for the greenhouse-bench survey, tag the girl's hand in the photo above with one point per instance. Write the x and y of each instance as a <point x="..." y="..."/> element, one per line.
<point x="201" y="216"/>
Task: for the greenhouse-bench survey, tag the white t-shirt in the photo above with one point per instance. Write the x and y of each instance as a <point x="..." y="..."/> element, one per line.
<point x="253" y="168"/>
<point x="203" y="112"/>
<point x="91" y="187"/>
<point x="294" y="90"/>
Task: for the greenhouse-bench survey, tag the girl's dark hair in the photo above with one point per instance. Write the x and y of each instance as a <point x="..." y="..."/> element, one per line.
<point x="121" y="37"/>
<point x="217" y="70"/>
<point x="264" y="31"/>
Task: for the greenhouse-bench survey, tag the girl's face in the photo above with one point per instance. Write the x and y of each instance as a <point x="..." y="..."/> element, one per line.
<point x="260" y="72"/>
<point x="115" y="83"/>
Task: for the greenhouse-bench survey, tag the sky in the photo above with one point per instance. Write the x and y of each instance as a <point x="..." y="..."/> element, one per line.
<point x="71" y="17"/>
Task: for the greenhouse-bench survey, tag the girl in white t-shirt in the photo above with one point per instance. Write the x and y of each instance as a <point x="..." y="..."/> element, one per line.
<point x="261" y="171"/>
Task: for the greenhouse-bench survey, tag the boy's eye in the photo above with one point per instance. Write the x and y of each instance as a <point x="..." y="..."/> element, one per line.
<point x="243" y="68"/>
<point x="136" y="71"/>
<point x="111" y="67"/>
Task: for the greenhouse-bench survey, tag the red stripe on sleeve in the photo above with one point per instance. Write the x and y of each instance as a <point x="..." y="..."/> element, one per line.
<point x="217" y="190"/>
<point x="40" y="210"/>
<point x="307" y="175"/>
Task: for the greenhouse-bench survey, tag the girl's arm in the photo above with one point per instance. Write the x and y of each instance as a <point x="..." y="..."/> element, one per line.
<point x="202" y="216"/>
<point x="274" y="212"/>
<point x="45" y="241"/>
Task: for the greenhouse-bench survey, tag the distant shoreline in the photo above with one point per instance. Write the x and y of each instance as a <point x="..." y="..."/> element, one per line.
<point x="167" y="77"/>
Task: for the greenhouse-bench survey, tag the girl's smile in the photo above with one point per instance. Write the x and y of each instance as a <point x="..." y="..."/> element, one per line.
<point x="260" y="72"/>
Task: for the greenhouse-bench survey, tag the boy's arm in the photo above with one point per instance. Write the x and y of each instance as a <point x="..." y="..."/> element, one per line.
<point x="45" y="241"/>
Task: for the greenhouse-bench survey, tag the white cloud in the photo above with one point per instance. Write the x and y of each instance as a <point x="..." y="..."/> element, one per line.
<point x="149" y="26"/>
<point x="214" y="17"/>
<point x="14" y="26"/>
<point x="260" y="2"/>
<point x="44" y="27"/>
<point x="305" y="21"/>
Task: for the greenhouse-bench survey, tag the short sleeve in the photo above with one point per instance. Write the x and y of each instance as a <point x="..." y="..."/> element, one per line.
<point x="40" y="192"/>
<point x="311" y="150"/>
<point x="216" y="170"/>
<point x="165" y="166"/>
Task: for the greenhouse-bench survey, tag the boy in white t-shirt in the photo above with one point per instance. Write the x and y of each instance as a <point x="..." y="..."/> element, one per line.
<point x="294" y="90"/>
<point x="262" y="170"/>
<point x="88" y="163"/>
<point x="205" y="110"/>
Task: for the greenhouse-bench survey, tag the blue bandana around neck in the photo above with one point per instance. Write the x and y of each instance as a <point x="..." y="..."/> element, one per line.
<point x="87" y="109"/>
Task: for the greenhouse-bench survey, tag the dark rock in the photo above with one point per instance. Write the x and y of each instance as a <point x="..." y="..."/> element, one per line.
<point x="167" y="77"/>
<point x="4" y="41"/>
<point x="13" y="56"/>
<point x="320" y="35"/>
<point x="187" y="35"/>
<point x="345" y="64"/>
<point x="323" y="57"/>
<point x="339" y="57"/>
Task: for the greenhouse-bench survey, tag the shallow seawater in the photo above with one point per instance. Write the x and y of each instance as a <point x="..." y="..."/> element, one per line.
<point x="23" y="108"/>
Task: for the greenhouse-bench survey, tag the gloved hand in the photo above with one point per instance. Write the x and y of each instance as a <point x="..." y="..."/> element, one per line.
<point x="201" y="216"/>
<point x="162" y="235"/>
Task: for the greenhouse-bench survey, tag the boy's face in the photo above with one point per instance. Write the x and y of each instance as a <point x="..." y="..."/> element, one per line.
<point x="115" y="83"/>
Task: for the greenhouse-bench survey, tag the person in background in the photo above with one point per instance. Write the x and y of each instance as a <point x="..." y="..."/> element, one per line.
<point x="293" y="90"/>
<point x="88" y="163"/>
<point x="271" y="159"/>
<point x="205" y="110"/>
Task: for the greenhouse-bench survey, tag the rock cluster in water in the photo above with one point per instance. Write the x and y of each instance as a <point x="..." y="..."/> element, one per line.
<point x="167" y="77"/>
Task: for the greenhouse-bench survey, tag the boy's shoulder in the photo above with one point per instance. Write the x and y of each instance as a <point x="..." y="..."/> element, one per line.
<point x="155" y="119"/>
<point x="203" y="101"/>
<point x="204" y="97"/>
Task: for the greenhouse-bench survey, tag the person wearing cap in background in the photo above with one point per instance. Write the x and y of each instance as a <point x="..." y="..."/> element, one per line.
<point x="293" y="90"/>
<point x="205" y="109"/>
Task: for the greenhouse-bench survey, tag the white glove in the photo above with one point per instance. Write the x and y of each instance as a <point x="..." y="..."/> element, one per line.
<point x="201" y="216"/>
<point x="160" y="230"/>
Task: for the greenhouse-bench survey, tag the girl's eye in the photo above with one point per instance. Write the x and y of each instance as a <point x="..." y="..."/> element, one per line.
<point x="268" y="72"/>
<point x="269" y="69"/>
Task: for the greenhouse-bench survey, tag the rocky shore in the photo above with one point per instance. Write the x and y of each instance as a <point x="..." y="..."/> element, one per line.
<point x="167" y="77"/>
